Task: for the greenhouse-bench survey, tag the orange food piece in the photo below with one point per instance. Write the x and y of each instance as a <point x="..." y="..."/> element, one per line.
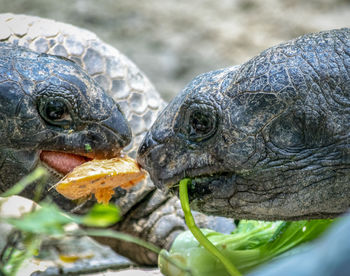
<point x="100" y="177"/>
<point x="104" y="195"/>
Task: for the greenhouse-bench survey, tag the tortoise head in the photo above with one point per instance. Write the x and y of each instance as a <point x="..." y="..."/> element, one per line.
<point x="264" y="140"/>
<point x="49" y="104"/>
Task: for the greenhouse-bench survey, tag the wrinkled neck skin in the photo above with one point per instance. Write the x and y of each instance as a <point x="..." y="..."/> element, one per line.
<point x="48" y="103"/>
<point x="276" y="144"/>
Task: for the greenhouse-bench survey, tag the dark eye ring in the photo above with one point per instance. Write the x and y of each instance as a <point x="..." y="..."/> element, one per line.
<point x="200" y="122"/>
<point x="55" y="111"/>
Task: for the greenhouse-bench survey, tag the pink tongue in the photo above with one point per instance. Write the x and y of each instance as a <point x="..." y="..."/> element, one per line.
<point x="62" y="162"/>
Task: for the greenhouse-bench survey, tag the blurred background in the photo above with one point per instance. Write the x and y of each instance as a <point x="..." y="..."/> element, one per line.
<point x="172" y="41"/>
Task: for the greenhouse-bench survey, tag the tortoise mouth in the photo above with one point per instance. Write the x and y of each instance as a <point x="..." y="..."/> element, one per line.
<point x="206" y="174"/>
<point x="62" y="162"/>
<point x="201" y="185"/>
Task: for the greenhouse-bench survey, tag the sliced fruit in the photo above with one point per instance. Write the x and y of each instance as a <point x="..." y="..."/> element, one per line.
<point x="100" y="177"/>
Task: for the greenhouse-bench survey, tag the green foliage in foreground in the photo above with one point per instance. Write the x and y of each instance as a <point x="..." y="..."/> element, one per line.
<point x="251" y="244"/>
<point x="49" y="220"/>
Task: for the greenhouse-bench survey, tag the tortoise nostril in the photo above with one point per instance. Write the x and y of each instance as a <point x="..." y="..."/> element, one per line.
<point x="147" y="144"/>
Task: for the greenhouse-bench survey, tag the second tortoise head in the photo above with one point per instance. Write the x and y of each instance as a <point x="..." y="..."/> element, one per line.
<point x="264" y="140"/>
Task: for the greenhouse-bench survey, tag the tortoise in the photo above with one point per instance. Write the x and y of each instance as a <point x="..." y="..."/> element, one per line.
<point x="264" y="140"/>
<point x="267" y="140"/>
<point x="63" y="89"/>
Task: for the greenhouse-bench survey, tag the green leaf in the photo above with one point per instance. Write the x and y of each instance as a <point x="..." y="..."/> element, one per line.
<point x="101" y="215"/>
<point x="292" y="233"/>
<point x="46" y="220"/>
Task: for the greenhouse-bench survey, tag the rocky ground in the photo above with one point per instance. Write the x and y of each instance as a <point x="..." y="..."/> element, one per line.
<point x="174" y="40"/>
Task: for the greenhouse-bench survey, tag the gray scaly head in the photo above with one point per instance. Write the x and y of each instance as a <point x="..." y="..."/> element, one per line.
<point x="49" y="105"/>
<point x="264" y="140"/>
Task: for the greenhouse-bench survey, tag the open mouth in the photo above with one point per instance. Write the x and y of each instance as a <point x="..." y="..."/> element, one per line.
<point x="61" y="162"/>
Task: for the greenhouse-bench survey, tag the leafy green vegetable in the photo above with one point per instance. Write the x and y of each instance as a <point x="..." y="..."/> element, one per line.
<point x="251" y="244"/>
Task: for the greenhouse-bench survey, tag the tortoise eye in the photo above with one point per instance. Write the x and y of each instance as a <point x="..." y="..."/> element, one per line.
<point x="55" y="111"/>
<point x="200" y="122"/>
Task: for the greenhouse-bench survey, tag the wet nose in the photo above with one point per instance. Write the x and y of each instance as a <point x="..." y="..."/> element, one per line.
<point x="147" y="144"/>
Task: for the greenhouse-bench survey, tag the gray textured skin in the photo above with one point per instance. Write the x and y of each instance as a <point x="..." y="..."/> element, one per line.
<point x="28" y="82"/>
<point x="147" y="212"/>
<point x="268" y="139"/>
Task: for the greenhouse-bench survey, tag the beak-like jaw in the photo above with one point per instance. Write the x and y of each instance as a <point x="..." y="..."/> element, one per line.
<point x="148" y="156"/>
<point x="118" y="126"/>
<point x="101" y="140"/>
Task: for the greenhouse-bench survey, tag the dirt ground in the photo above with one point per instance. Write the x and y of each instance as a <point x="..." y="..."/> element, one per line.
<point x="172" y="41"/>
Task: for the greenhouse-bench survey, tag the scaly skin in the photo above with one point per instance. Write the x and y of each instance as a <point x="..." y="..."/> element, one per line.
<point x="147" y="212"/>
<point x="268" y="139"/>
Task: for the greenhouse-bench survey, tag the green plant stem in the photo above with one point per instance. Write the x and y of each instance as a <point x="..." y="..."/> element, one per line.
<point x="231" y="269"/>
